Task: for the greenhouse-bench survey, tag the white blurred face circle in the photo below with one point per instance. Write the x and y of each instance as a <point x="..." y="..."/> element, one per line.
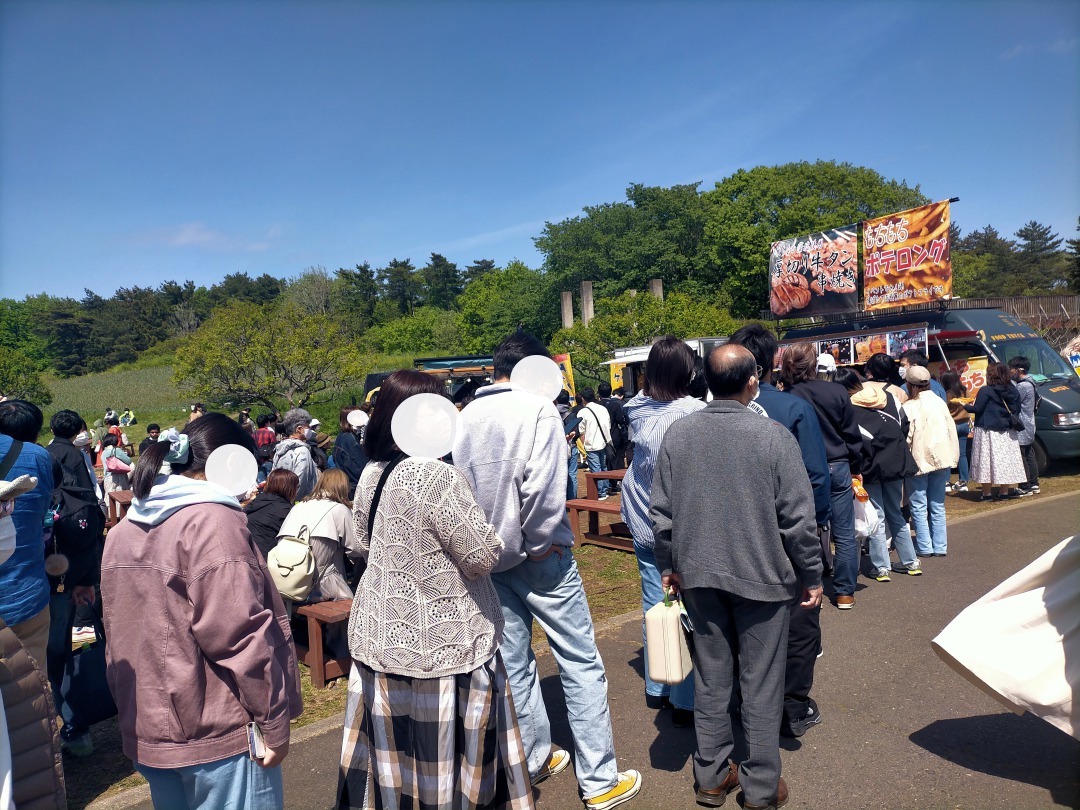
<point x="538" y="375"/>
<point x="232" y="468"/>
<point x="425" y="425"/>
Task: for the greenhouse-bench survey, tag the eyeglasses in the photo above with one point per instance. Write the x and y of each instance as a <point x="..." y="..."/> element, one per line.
<point x="760" y="373"/>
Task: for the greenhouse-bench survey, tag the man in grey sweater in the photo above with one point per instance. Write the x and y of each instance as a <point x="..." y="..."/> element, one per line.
<point x="733" y="515"/>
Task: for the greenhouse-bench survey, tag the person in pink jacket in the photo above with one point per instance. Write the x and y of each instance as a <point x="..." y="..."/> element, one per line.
<point x="199" y="644"/>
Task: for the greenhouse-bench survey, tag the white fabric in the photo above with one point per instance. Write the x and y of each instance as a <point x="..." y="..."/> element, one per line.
<point x="596" y="426"/>
<point x="995" y="457"/>
<point x="866" y="519"/>
<point x="1021" y="642"/>
<point x="932" y="433"/>
<point x="170" y="494"/>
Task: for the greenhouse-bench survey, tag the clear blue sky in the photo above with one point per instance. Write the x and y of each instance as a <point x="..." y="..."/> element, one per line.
<point x="146" y="141"/>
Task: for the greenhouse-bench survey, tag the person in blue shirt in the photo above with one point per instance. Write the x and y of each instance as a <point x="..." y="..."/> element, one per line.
<point x="913" y="357"/>
<point x="24" y="588"/>
<point x="804" y="629"/>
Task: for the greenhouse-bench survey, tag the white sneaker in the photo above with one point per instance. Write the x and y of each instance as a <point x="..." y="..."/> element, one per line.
<point x="602" y="498"/>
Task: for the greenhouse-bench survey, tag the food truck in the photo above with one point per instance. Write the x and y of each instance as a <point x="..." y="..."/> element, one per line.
<point x="627" y="366"/>
<point x="965" y="341"/>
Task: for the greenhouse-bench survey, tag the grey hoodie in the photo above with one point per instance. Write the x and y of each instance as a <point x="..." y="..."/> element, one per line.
<point x="512" y="448"/>
<point x="295" y="455"/>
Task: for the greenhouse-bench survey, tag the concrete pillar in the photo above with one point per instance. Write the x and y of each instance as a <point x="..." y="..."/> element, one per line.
<point x="567" y="309"/>
<point x="656" y="287"/>
<point x="586" y="302"/>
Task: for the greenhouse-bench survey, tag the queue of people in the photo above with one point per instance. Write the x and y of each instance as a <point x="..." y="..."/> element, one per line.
<point x="459" y="556"/>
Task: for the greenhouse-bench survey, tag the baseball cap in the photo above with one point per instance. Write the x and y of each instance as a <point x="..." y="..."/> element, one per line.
<point x="917" y="374"/>
<point x="826" y="362"/>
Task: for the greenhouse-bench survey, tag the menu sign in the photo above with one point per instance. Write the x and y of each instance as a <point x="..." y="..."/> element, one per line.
<point x="816" y="274"/>
<point x="906" y="258"/>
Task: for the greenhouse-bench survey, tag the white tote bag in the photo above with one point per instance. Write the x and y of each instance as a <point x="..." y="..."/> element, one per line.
<point x="668" y="652"/>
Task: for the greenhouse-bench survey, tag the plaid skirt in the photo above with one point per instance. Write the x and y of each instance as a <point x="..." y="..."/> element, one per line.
<point x="446" y="743"/>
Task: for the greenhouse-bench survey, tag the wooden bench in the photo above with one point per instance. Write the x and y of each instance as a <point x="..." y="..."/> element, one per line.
<point x="314" y="656"/>
<point x="119" y="501"/>
<point x="615" y="535"/>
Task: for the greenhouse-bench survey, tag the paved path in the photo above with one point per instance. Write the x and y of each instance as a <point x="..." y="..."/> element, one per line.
<point x="900" y="730"/>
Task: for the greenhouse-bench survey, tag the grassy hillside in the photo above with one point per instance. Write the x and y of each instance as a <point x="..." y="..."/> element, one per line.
<point x="150" y="392"/>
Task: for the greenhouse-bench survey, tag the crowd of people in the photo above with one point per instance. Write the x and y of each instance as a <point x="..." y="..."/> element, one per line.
<point x="460" y="556"/>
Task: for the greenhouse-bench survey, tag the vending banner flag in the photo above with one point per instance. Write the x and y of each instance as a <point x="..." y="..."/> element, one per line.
<point x="816" y="274"/>
<point x="906" y="258"/>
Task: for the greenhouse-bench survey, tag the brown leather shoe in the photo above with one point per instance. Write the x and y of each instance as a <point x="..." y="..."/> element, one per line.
<point x="779" y="801"/>
<point x="845" y="602"/>
<point x="714" y="797"/>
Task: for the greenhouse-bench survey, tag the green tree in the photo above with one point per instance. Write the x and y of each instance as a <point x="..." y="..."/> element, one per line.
<point x="21" y="328"/>
<point x="428" y="329"/>
<point x="311" y="291"/>
<point x="442" y="280"/>
<point x="1074" y="261"/>
<point x="19" y="378"/>
<point x="354" y="296"/>
<point x="636" y="320"/>
<point x="1044" y="266"/>
<point x="399" y="284"/>
<point x="478" y="269"/>
<point x="68" y="332"/>
<point x="269" y="354"/>
<point x="753" y="208"/>
<point x="495" y="304"/>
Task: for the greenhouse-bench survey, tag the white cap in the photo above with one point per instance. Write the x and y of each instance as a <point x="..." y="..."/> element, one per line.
<point x="826" y="362"/>
<point x="315" y="423"/>
<point x="357" y="418"/>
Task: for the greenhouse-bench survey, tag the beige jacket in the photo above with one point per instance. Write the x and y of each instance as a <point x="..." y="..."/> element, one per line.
<point x="931" y="433"/>
<point x="37" y="768"/>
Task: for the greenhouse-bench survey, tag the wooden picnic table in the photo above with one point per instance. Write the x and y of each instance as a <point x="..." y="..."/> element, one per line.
<point x="119" y="500"/>
<point x="614" y="535"/>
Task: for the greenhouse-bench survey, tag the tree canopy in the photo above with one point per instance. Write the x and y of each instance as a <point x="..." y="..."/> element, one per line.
<point x="19" y="378"/>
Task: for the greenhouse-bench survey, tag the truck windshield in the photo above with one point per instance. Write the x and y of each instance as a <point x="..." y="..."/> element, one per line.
<point x="1044" y="360"/>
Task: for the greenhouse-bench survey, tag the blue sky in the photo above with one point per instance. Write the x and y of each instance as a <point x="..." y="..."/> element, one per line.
<point x="146" y="141"/>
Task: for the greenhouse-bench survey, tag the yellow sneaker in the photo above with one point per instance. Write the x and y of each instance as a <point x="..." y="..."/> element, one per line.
<point x="625" y="789"/>
<point x="556" y="764"/>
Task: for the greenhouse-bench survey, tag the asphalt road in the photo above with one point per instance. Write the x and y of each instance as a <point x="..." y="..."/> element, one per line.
<point x="900" y="730"/>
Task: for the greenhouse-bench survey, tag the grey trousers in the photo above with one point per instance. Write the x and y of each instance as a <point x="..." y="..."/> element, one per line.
<point x="729" y="628"/>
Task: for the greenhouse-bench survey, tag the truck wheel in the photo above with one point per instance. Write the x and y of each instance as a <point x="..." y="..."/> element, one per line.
<point x="1042" y="461"/>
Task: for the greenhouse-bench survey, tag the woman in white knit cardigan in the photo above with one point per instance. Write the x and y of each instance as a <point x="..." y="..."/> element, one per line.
<point x="936" y="448"/>
<point x="430" y="719"/>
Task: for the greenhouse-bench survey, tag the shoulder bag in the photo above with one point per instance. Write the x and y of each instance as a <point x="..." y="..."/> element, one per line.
<point x="84" y="686"/>
<point x="609" y="449"/>
<point x="1014" y="420"/>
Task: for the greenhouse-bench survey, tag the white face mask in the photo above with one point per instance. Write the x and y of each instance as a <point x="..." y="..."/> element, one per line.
<point x="757" y="391"/>
<point x="309" y="434"/>
<point x="903" y="372"/>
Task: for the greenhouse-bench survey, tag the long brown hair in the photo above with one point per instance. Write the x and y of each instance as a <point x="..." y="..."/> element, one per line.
<point x="398" y="387"/>
<point x="799" y="365"/>
<point x="997" y="374"/>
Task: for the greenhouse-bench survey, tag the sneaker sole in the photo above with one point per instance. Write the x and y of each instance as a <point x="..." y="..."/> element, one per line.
<point x="617" y="800"/>
<point x="844" y="607"/>
<point x="547" y="773"/>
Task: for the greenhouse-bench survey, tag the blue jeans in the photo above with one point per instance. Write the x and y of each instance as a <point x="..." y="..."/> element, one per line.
<point x="571" y="480"/>
<point x="926" y="493"/>
<point x="888" y="498"/>
<point x="962" y="432"/>
<point x="598" y="463"/>
<point x="235" y="783"/>
<point x="681" y="695"/>
<point x="551" y="592"/>
<point x="846" y="556"/>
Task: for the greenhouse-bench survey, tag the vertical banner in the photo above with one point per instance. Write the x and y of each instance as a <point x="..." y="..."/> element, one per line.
<point x="906" y="258"/>
<point x="567" y="369"/>
<point x="816" y="274"/>
<point x="616" y="371"/>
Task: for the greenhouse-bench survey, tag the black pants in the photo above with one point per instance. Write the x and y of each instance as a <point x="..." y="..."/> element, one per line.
<point x="1031" y="466"/>
<point x="804" y="644"/>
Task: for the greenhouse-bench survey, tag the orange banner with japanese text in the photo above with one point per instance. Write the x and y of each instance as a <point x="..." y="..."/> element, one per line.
<point x="906" y="258"/>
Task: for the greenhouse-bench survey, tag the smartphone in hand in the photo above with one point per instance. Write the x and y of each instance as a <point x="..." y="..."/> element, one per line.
<point x="256" y="743"/>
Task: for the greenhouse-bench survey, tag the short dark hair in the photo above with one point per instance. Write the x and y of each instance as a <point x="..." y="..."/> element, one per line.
<point x="65" y="424"/>
<point x="512" y="351"/>
<point x="618" y="392"/>
<point x="110" y="440"/>
<point x="563" y="398"/>
<point x="603" y="389"/>
<point x="1020" y="363"/>
<point x="264" y="419"/>
<point x="153" y="426"/>
<point x="881" y="367"/>
<point x="588" y="395"/>
<point x="848" y="378"/>
<point x="112" y="421"/>
<point x="205" y="435"/>
<point x="915" y="357"/>
<point x="398" y="387"/>
<point x="668" y="369"/>
<point x="21" y="420"/>
<point x="759" y="341"/>
<point x="283" y="482"/>
<point x="729" y="375"/>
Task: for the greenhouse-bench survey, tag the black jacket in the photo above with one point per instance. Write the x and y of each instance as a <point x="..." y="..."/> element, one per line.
<point x="79" y="530"/>
<point x="349" y="457"/>
<point x="836" y="415"/>
<point x="989" y="408"/>
<point x="887" y="455"/>
<point x="619" y="421"/>
<point x="265" y="515"/>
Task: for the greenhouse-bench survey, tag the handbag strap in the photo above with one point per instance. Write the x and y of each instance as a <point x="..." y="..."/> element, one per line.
<point x="378" y="493"/>
<point x="10" y="457"/>
<point x="598" y="424"/>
